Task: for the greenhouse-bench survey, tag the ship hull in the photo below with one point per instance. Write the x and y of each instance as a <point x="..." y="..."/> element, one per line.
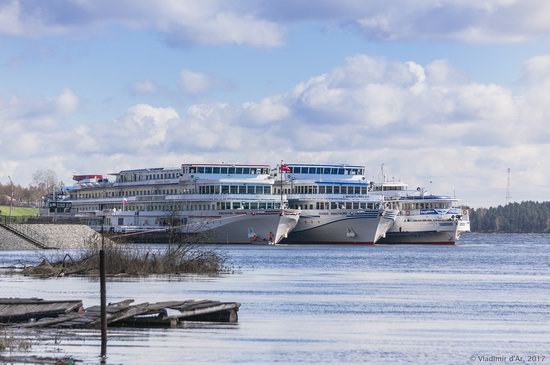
<point x="434" y="232"/>
<point x="213" y="227"/>
<point x="343" y="228"/>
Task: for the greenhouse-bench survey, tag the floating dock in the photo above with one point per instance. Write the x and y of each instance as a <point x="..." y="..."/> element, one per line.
<point x="39" y="313"/>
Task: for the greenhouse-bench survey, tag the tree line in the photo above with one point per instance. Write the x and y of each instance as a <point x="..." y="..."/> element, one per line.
<point x="524" y="217"/>
<point x="44" y="182"/>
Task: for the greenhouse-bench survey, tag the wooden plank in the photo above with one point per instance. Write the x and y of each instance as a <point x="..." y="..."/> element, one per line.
<point x="50" y="322"/>
<point x="195" y="312"/>
<point x="22" y="312"/>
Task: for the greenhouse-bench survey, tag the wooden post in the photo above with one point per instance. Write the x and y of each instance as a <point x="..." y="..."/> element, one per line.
<point x="103" y="293"/>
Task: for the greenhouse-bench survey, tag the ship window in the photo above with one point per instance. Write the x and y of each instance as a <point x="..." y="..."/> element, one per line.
<point x="192" y="170"/>
<point x="242" y="189"/>
<point x="310" y="189"/>
<point x="231" y="171"/>
<point x="363" y="190"/>
<point x="208" y="170"/>
<point x="348" y="205"/>
<point x="357" y="190"/>
<point x="246" y="170"/>
<point x="297" y="170"/>
<point x="267" y="190"/>
<point x="200" y="170"/>
<point x="239" y="170"/>
<point x="236" y="205"/>
<point x="326" y="170"/>
<point x="336" y="190"/>
<point x="319" y="170"/>
<point x="340" y="171"/>
<point x="253" y="171"/>
<point x="363" y="205"/>
<point x="355" y="205"/>
<point x="329" y="189"/>
<point x="269" y="205"/>
<point x="321" y="189"/>
<point x="246" y="205"/>
<point x="233" y="189"/>
<point x="312" y="170"/>
<point x="215" y="170"/>
<point x="253" y="205"/>
<point x="223" y="170"/>
<point x="263" y="205"/>
<point x="277" y="205"/>
<point x="250" y="189"/>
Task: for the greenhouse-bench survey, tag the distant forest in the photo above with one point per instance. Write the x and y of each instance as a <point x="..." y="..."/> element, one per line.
<point x="524" y="217"/>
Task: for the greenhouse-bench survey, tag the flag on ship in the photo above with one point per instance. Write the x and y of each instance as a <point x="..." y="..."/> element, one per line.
<point x="284" y="168"/>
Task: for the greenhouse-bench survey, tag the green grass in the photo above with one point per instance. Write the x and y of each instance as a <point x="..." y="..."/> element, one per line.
<point x="17" y="211"/>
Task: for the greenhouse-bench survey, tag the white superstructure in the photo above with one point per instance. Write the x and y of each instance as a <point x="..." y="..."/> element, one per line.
<point x="227" y="203"/>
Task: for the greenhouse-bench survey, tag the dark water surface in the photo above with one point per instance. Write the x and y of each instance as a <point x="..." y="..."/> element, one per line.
<point x="488" y="296"/>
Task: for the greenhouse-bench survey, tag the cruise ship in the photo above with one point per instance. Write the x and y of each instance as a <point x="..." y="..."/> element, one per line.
<point x="217" y="203"/>
<point x="423" y="218"/>
<point x="335" y="204"/>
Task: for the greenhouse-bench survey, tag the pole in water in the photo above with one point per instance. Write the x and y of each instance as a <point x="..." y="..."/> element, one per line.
<point x="103" y="294"/>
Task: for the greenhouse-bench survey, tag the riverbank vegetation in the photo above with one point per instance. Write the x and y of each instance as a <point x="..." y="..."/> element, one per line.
<point x="134" y="260"/>
<point x="524" y="217"/>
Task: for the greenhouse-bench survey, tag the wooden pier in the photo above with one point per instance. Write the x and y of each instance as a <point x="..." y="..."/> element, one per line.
<point x="38" y="313"/>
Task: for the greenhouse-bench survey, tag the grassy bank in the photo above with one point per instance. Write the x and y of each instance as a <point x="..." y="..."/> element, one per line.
<point x="17" y="211"/>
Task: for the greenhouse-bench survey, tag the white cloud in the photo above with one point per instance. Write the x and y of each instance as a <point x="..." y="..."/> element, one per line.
<point x="67" y="102"/>
<point x="9" y="18"/>
<point x="144" y="87"/>
<point x="182" y="23"/>
<point x="262" y="23"/>
<point x="193" y="83"/>
<point x="425" y="122"/>
<point x="266" y="111"/>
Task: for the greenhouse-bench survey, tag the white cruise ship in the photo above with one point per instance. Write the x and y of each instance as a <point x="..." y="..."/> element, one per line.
<point x="335" y="204"/>
<point x="423" y="218"/>
<point x="220" y="203"/>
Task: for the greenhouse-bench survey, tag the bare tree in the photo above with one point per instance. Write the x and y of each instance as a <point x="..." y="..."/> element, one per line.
<point x="46" y="182"/>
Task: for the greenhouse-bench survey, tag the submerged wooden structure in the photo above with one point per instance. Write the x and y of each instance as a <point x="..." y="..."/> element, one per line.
<point x="39" y="313"/>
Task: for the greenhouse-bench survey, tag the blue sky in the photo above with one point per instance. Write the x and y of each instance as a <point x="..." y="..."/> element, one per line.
<point x="449" y="91"/>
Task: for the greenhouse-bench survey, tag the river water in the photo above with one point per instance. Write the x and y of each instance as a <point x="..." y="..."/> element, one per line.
<point x="485" y="299"/>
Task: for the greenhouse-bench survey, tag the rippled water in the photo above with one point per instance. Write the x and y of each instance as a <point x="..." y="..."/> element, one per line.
<point x="488" y="296"/>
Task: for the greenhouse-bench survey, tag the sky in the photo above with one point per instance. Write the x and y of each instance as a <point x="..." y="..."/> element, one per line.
<point x="447" y="94"/>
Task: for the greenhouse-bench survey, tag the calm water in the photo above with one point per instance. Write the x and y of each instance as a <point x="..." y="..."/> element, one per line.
<point x="489" y="296"/>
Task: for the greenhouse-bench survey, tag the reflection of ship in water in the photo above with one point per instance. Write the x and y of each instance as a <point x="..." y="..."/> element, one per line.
<point x="423" y="218"/>
<point x="230" y="203"/>
<point x="335" y="204"/>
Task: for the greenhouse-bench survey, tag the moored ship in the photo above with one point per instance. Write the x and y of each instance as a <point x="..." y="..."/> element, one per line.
<point x="335" y="205"/>
<point x="216" y="203"/>
<point x="422" y="218"/>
